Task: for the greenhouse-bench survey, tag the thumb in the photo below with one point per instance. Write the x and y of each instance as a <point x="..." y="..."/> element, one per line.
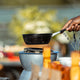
<point x="67" y="24"/>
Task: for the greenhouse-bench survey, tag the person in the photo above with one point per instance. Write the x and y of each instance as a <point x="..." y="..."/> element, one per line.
<point x="73" y="24"/>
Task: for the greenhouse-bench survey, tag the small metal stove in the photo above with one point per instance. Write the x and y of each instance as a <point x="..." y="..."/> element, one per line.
<point x="32" y="55"/>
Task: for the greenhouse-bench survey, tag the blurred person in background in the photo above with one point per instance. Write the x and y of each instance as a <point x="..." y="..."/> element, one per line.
<point x="73" y="24"/>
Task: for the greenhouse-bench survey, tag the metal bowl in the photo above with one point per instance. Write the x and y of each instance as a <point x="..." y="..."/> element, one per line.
<point x="35" y="58"/>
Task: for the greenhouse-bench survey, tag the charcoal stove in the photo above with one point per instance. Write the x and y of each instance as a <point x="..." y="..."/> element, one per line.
<point x="32" y="55"/>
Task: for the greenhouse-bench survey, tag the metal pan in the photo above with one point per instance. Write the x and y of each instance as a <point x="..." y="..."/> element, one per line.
<point x="32" y="39"/>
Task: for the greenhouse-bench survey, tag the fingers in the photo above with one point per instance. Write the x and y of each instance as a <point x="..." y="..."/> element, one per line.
<point x="73" y="24"/>
<point x="67" y="24"/>
<point x="78" y="28"/>
<point x="69" y="28"/>
<point x="73" y="27"/>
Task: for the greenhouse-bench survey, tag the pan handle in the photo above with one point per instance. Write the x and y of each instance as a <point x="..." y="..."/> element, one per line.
<point x="62" y="30"/>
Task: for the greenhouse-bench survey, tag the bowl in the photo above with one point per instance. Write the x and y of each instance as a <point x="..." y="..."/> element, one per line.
<point x="28" y="58"/>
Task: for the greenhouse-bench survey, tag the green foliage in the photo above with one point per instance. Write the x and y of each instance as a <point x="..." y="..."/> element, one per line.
<point x="33" y="20"/>
<point x="32" y="2"/>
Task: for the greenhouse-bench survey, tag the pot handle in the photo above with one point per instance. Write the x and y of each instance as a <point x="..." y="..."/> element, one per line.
<point x="62" y="30"/>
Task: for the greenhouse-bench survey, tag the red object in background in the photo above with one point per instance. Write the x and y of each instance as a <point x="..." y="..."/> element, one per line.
<point x="9" y="54"/>
<point x="12" y="57"/>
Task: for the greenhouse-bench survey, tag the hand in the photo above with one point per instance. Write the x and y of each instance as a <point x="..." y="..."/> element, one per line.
<point x="73" y="24"/>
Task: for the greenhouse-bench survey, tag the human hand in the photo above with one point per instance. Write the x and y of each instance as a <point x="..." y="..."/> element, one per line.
<point x="73" y="24"/>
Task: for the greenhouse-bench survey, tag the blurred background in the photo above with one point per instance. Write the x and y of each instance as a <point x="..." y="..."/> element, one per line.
<point x="19" y="17"/>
